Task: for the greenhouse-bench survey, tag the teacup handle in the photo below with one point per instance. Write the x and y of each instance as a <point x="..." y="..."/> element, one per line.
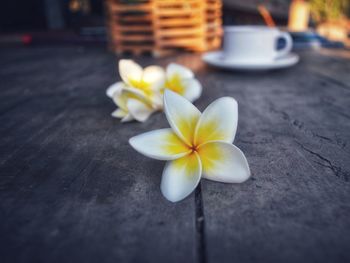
<point x="289" y="44"/>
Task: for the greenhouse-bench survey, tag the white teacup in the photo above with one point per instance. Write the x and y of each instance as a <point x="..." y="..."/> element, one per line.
<point x="254" y="43"/>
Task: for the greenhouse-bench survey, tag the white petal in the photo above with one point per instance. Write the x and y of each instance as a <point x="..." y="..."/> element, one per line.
<point x="127" y="118"/>
<point x="192" y="89"/>
<point x="180" y="177"/>
<point x="120" y="100"/>
<point x="119" y="113"/>
<point x="218" y="122"/>
<point x="154" y="75"/>
<point x="182" y="115"/>
<point x="223" y="162"/>
<point x="176" y="69"/>
<point x="139" y="110"/>
<point x="157" y="101"/>
<point x="114" y="88"/>
<point x="153" y="99"/>
<point x="129" y="70"/>
<point x="130" y="92"/>
<point x="160" y="144"/>
<point x="158" y="86"/>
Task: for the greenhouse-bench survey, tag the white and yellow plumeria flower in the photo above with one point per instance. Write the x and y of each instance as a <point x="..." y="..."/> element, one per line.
<point x="138" y="94"/>
<point x="132" y="105"/>
<point x="197" y="145"/>
<point x="181" y="80"/>
<point x="148" y="81"/>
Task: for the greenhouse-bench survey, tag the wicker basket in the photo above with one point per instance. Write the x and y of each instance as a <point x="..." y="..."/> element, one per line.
<point x="161" y="27"/>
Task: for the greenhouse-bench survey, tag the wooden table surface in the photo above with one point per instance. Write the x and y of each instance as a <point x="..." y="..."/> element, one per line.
<point x="73" y="190"/>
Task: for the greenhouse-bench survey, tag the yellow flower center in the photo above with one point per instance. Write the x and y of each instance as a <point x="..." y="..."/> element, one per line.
<point x="176" y="145"/>
<point x="209" y="154"/>
<point x="193" y="148"/>
<point x="142" y="85"/>
<point x="175" y="84"/>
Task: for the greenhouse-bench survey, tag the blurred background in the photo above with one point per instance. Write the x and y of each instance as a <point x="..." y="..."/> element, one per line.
<point x="73" y="190"/>
<point x="158" y="27"/>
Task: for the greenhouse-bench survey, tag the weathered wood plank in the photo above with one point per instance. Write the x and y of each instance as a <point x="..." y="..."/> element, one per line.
<point x="72" y="189"/>
<point x="294" y="130"/>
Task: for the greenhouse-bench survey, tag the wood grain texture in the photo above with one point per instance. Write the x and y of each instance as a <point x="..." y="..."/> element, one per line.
<point x="73" y="190"/>
<point x="293" y="128"/>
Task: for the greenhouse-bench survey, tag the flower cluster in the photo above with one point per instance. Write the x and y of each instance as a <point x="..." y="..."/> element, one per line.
<point x="197" y="145"/>
<point x="140" y="93"/>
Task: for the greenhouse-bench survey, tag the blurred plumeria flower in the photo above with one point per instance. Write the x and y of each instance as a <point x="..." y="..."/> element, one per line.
<point x="181" y="80"/>
<point x="132" y="105"/>
<point x="140" y="93"/>
<point x="197" y="145"/>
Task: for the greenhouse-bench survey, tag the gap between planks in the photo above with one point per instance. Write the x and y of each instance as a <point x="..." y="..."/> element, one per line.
<point x="200" y="226"/>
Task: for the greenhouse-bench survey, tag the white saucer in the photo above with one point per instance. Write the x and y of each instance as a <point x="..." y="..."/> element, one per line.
<point x="217" y="59"/>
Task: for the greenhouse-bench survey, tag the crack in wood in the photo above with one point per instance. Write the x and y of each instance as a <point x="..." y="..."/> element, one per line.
<point x="301" y="127"/>
<point x="332" y="80"/>
<point x="200" y="226"/>
<point x="337" y="171"/>
<point x="263" y="141"/>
